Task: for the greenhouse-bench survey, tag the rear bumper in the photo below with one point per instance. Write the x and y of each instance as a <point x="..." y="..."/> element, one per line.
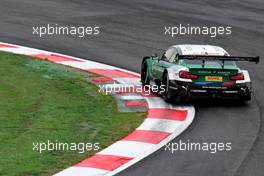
<point x="190" y="90"/>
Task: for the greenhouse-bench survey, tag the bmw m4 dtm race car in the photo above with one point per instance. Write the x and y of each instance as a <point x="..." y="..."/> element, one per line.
<point x="184" y="72"/>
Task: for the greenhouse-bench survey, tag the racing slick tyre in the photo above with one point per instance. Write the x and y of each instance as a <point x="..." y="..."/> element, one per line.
<point x="145" y="75"/>
<point x="167" y="94"/>
<point x="245" y="98"/>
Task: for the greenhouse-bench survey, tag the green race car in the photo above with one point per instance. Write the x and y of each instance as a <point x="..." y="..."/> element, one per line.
<point x="184" y="72"/>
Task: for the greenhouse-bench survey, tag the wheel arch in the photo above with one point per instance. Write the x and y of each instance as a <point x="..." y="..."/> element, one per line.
<point x="147" y="60"/>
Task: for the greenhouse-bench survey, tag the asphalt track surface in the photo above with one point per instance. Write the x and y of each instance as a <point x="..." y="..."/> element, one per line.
<point x="134" y="28"/>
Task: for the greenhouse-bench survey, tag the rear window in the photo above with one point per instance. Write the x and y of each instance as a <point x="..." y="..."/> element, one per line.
<point x="211" y="63"/>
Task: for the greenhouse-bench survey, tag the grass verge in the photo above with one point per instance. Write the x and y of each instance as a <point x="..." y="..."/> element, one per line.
<point x="41" y="101"/>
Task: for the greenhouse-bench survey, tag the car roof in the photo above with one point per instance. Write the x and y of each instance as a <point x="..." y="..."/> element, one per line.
<point x="200" y="50"/>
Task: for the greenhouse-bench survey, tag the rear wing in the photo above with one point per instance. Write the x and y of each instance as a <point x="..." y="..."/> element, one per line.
<point x="219" y="58"/>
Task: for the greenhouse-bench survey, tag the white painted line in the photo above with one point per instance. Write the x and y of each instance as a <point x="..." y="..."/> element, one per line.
<point x="25" y="51"/>
<point x="163" y="125"/>
<point x="81" y="171"/>
<point x="86" y="65"/>
<point x="127" y="148"/>
<point x="157" y="102"/>
<point x="131" y="97"/>
<point x="129" y="81"/>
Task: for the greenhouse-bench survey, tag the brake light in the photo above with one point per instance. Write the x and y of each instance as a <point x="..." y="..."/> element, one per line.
<point x="239" y="76"/>
<point x="187" y="75"/>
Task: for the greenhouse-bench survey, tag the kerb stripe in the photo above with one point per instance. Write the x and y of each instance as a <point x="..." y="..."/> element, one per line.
<point x="102" y="80"/>
<point x="55" y="57"/>
<point x="147" y="136"/>
<point x="112" y="73"/>
<point x="105" y="162"/>
<point x="171" y="114"/>
<point x="6" y="46"/>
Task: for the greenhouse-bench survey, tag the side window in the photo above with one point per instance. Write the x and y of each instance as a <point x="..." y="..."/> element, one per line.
<point x="174" y="56"/>
<point x="168" y="54"/>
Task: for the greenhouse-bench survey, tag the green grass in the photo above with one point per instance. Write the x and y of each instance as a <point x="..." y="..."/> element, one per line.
<point x="42" y="101"/>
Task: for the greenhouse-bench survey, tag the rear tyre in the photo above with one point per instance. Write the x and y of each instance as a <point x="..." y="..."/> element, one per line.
<point x="246" y="97"/>
<point x="167" y="95"/>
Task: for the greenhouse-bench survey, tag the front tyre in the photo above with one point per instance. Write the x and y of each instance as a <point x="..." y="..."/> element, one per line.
<point x="145" y="75"/>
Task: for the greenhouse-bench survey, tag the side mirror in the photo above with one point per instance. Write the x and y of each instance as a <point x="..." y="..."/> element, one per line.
<point x="155" y="55"/>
